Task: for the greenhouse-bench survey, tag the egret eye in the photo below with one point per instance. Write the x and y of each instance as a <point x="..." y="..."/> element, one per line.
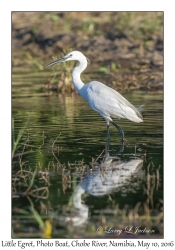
<point x="70" y="54"/>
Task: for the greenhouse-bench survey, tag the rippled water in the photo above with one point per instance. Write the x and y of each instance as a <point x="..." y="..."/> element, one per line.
<point x="65" y="141"/>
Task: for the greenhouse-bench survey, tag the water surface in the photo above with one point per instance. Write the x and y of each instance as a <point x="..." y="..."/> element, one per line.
<point x="63" y="140"/>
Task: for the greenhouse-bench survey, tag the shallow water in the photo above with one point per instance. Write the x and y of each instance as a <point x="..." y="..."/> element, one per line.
<point x="87" y="194"/>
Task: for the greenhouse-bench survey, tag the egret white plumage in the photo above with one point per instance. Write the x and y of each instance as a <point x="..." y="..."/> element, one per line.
<point x="101" y="98"/>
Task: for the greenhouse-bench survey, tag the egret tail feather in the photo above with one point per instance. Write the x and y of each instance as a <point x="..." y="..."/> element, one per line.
<point x="141" y="108"/>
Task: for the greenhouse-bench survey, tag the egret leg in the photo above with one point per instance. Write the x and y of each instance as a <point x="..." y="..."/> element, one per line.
<point x="122" y="135"/>
<point x="119" y="129"/>
<point x="108" y="140"/>
<point x="108" y="134"/>
<point x="106" y="150"/>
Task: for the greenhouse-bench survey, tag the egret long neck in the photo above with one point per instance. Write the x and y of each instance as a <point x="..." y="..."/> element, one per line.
<point x="76" y="76"/>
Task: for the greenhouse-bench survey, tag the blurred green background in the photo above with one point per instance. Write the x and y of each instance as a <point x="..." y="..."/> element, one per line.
<point x="127" y="46"/>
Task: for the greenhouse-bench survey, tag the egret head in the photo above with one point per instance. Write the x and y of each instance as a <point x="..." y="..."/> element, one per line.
<point x="72" y="56"/>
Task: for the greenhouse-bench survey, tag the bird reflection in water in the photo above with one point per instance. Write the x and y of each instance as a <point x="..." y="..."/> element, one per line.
<point x="112" y="175"/>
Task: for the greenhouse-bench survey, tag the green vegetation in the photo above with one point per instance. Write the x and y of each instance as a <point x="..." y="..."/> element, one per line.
<point x="140" y="25"/>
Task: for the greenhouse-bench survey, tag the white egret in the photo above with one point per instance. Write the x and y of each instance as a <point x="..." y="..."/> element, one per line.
<point x="101" y="98"/>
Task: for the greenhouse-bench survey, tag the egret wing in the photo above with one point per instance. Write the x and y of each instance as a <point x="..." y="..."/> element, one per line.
<point x="110" y="103"/>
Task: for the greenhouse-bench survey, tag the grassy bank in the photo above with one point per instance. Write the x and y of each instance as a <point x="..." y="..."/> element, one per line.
<point x="127" y="46"/>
